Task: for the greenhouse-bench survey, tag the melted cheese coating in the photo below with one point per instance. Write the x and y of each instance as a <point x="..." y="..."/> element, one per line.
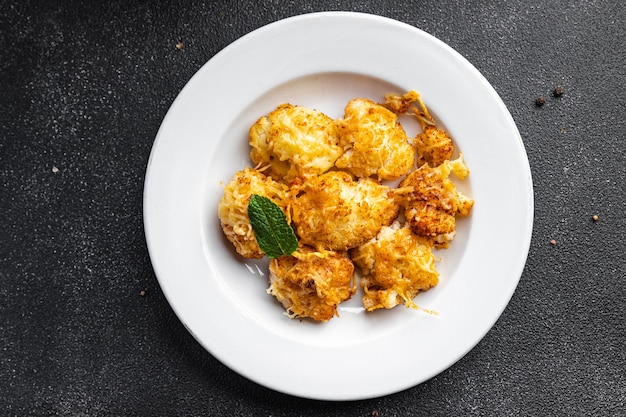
<point x="312" y="284"/>
<point x="294" y="142"/>
<point x="306" y="163"/>
<point x="374" y="142"/>
<point x="431" y="208"/>
<point x="337" y="213"/>
<point x="233" y="208"/>
<point x="396" y="265"/>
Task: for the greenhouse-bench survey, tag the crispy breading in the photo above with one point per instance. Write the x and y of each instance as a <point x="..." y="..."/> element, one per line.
<point x="434" y="146"/>
<point x="233" y="208"/>
<point x="311" y="284"/>
<point x="337" y="213"/>
<point x="401" y="104"/>
<point x="294" y="142"/>
<point x="432" y="206"/>
<point x="396" y="265"/>
<point x="306" y="163"/>
<point x="374" y="142"/>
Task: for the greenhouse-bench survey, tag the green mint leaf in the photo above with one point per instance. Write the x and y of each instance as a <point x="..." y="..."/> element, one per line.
<point x="273" y="234"/>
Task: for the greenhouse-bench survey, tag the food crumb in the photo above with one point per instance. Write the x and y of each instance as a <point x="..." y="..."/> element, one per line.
<point x="558" y="91"/>
<point x="595" y="217"/>
<point x="375" y="413"/>
<point x="142" y="293"/>
<point x="553" y="242"/>
<point x="540" y="101"/>
<point x="55" y="170"/>
<point x="562" y="130"/>
<point x="180" y="45"/>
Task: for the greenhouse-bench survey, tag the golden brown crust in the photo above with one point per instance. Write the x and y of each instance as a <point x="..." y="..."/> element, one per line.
<point x="312" y="284"/>
<point x="396" y="265"/>
<point x="434" y="146"/>
<point x="294" y="142"/>
<point x="233" y="208"/>
<point x="374" y="142"/>
<point x="307" y="163"/>
<point x="337" y="213"/>
<point x="431" y="208"/>
<point x="401" y="104"/>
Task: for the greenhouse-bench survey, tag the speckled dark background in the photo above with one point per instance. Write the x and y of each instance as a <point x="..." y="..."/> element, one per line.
<point x="83" y="89"/>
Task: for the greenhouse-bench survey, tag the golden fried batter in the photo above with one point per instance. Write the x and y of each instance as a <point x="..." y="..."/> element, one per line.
<point x="396" y="265"/>
<point x="233" y="208"/>
<point x="312" y="284"/>
<point x="401" y="104"/>
<point x="374" y="142"/>
<point x="337" y="213"/>
<point x="306" y="163"/>
<point x="294" y="142"/>
<point x="434" y="146"/>
<point x="431" y="208"/>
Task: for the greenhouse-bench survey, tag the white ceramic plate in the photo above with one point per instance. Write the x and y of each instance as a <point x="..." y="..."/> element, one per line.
<point x="322" y="60"/>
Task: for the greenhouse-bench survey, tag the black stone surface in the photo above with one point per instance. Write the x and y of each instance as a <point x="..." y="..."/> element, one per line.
<point x="83" y="89"/>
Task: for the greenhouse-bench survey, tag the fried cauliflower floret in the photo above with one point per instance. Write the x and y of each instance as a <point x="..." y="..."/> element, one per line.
<point x="337" y="213"/>
<point x="233" y="208"/>
<point x="312" y="284"/>
<point x="396" y="266"/>
<point x="401" y="103"/>
<point x="434" y="146"/>
<point x="294" y="142"/>
<point x="374" y="142"/>
<point x="431" y="208"/>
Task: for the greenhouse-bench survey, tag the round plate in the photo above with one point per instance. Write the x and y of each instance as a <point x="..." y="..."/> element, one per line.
<point x="322" y="60"/>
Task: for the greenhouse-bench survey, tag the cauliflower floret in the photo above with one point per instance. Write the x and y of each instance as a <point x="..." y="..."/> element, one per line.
<point x="337" y="213"/>
<point x="432" y="206"/>
<point x="294" y="142"/>
<point x="401" y="103"/>
<point x="396" y="265"/>
<point x="312" y="284"/>
<point x="434" y="146"/>
<point x="233" y="208"/>
<point x="374" y="142"/>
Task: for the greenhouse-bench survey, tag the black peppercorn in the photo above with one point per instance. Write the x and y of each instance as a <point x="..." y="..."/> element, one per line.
<point x="540" y="101"/>
<point x="558" y="91"/>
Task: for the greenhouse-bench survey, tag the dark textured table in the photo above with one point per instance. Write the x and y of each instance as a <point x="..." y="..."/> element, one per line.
<point x="84" y="327"/>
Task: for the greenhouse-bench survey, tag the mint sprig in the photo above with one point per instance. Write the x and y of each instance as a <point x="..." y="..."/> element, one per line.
<point x="273" y="234"/>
